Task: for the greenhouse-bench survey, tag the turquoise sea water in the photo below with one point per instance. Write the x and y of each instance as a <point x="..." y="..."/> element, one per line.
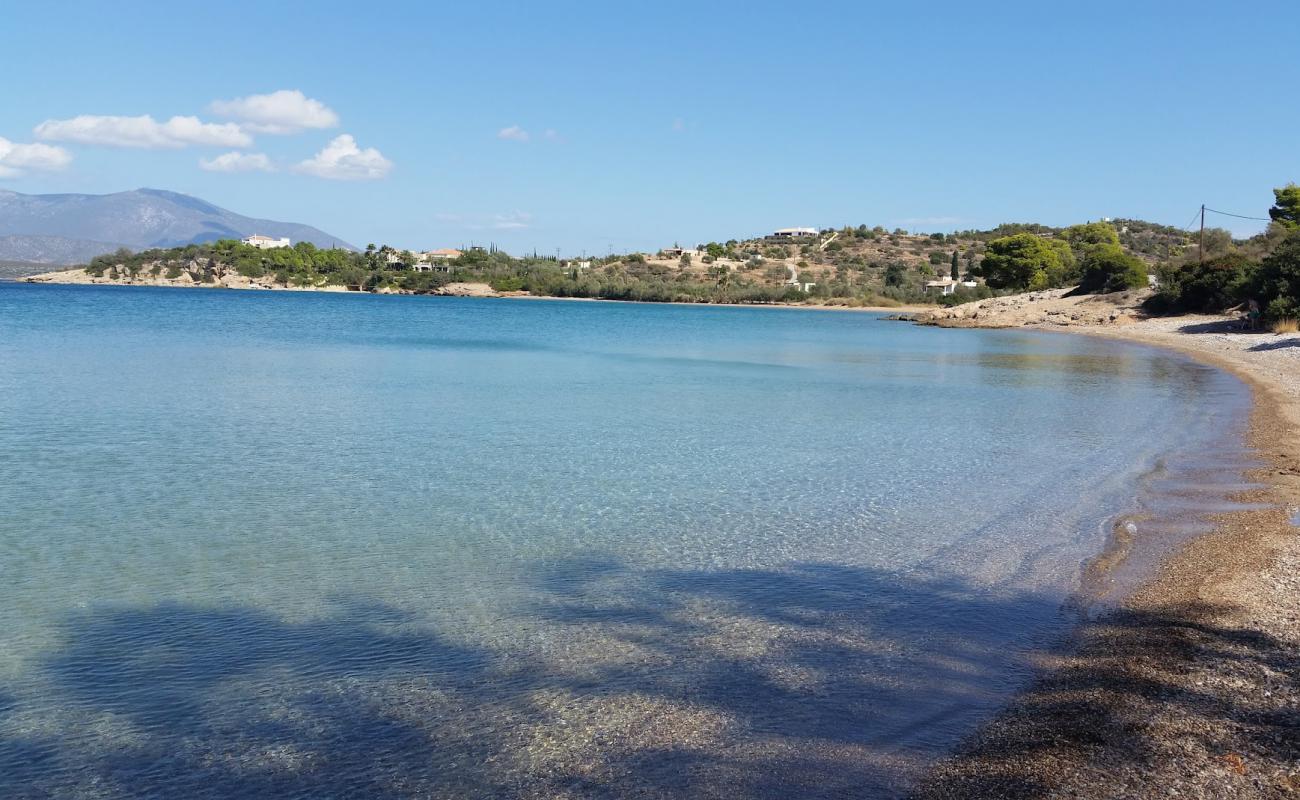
<point x="315" y="545"/>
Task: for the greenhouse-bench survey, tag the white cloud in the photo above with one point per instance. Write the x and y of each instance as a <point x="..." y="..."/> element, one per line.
<point x="235" y="161"/>
<point x="512" y="221"/>
<point x="16" y="158"/>
<point x="143" y="131"/>
<point x="513" y="134"/>
<point x="343" y="160"/>
<point x="284" y="111"/>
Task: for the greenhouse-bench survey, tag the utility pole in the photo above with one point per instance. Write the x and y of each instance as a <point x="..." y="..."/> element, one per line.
<point x="1201" y="246"/>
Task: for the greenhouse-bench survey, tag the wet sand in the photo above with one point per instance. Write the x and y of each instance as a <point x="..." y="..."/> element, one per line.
<point x="1191" y="688"/>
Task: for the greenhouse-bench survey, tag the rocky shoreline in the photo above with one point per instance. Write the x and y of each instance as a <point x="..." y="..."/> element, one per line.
<point x="233" y="280"/>
<point x="1047" y="308"/>
<point x="1190" y="688"/>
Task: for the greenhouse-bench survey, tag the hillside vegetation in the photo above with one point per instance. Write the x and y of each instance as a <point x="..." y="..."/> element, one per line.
<point x="1264" y="269"/>
<point x="850" y="266"/>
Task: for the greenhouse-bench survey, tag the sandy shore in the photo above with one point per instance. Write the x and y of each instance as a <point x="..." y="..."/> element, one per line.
<point x="1192" y="688"/>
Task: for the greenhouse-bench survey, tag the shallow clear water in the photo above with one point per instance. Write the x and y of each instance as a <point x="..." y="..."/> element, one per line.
<point x="313" y="545"/>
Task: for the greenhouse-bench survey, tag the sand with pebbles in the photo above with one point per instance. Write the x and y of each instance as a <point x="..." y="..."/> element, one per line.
<point x="1192" y="688"/>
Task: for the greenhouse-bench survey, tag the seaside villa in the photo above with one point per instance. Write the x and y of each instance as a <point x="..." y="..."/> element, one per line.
<point x="436" y="260"/>
<point x="265" y="242"/>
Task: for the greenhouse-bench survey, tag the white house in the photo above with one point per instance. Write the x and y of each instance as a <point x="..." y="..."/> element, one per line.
<point x="946" y="285"/>
<point x="265" y="242"/>
<point x="794" y="233"/>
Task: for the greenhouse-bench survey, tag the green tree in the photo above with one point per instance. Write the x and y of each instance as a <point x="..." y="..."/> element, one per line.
<point x="956" y="266"/>
<point x="1286" y="208"/>
<point x="1089" y="235"/>
<point x="1107" y="268"/>
<point x="1278" y="282"/>
<point x="1026" y="261"/>
<point x="1217" y="240"/>
<point x="1213" y="286"/>
<point x="895" y="274"/>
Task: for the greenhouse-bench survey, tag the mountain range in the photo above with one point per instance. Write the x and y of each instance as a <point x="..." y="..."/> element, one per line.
<point x="44" y="229"/>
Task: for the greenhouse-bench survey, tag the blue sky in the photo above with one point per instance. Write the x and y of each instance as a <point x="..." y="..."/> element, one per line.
<point x="659" y="122"/>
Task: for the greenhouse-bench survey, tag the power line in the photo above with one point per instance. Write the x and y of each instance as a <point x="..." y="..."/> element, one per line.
<point x="1239" y="216"/>
<point x="1188" y="227"/>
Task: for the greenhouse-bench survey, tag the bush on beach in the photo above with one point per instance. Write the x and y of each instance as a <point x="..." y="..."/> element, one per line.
<point x="1233" y="279"/>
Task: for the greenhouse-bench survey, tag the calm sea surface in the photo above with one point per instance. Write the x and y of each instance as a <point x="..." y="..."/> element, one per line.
<point x="345" y="546"/>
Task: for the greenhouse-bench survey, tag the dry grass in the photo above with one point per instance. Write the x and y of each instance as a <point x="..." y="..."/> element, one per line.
<point x="1286" y="325"/>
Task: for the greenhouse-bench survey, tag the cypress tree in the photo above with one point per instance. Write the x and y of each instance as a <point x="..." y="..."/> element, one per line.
<point x="956" y="270"/>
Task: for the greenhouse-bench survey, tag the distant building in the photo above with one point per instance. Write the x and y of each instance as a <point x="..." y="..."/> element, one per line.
<point x="435" y="260"/>
<point x="793" y="233"/>
<point x="425" y="266"/>
<point x="442" y="254"/>
<point x="678" y="252"/>
<point x="265" y="242"/>
<point x="947" y="285"/>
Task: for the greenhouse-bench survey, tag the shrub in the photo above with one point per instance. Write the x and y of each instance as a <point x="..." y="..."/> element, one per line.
<point x="508" y="283"/>
<point x="966" y="295"/>
<point x="1286" y="325"/>
<point x="895" y="274"/>
<point x="1213" y="286"/>
<point x="1277" y="284"/>
<point x="1107" y="268"/>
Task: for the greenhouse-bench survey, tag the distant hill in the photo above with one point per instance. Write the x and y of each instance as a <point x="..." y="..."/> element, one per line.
<point x="13" y="270"/>
<point x="73" y="228"/>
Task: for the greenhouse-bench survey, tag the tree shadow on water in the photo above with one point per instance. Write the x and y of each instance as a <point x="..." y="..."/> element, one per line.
<point x="182" y="701"/>
<point x="813" y="681"/>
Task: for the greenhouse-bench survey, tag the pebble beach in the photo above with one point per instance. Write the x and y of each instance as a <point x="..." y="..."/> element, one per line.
<point x="1190" y="688"/>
